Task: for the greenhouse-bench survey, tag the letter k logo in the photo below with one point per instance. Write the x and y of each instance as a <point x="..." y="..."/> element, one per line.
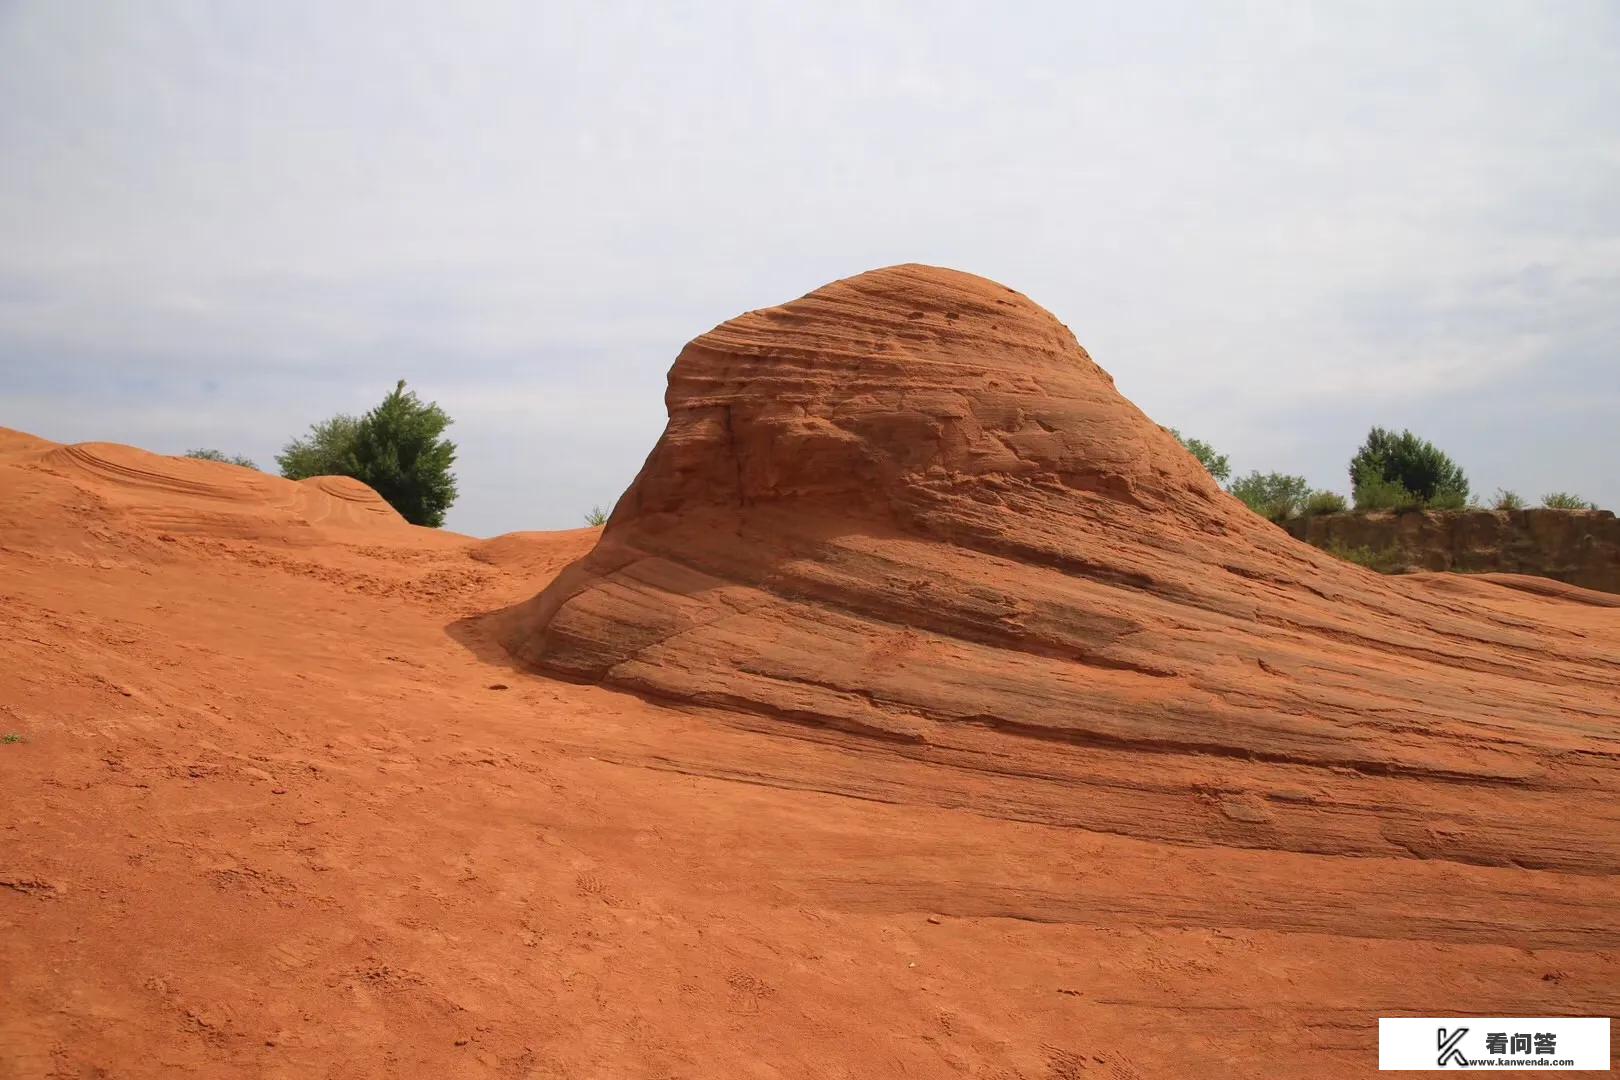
<point x="1448" y="1046"/>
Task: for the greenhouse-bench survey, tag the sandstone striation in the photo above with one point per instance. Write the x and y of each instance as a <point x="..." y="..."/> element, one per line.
<point x="187" y="495"/>
<point x="911" y="506"/>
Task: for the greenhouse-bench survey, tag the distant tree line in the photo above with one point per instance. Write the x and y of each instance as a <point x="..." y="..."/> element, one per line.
<point x="1388" y="472"/>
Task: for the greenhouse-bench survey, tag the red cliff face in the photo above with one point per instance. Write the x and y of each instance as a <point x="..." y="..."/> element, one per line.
<point x="910" y="505"/>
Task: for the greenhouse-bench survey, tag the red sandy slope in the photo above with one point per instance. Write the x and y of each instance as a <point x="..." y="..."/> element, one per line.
<point x="283" y="807"/>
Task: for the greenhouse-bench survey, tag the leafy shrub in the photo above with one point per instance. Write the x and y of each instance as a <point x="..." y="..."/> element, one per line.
<point x="1415" y="464"/>
<point x="1374" y="492"/>
<point x="399" y="452"/>
<point x="1449" y="500"/>
<point x="396" y="448"/>
<point x="1507" y="500"/>
<point x="1272" y="495"/>
<point x="1385" y="561"/>
<point x="597" y="516"/>
<point x="1217" y="464"/>
<point x="1324" y="502"/>
<point x="325" y="451"/>
<point x="1565" y="500"/>
<point x="220" y="455"/>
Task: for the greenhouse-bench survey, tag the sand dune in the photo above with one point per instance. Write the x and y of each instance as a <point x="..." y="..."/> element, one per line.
<point x="923" y="710"/>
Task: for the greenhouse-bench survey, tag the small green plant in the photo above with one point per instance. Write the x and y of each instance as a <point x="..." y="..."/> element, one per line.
<point x="11" y="738"/>
<point x="1217" y="464"/>
<point x="1566" y="500"/>
<point x="1384" y="561"/>
<point x="1374" y="492"/>
<point x="1449" y="500"/>
<point x="1324" y="502"/>
<point x="204" y="454"/>
<point x="597" y="516"/>
<point x="1507" y="500"/>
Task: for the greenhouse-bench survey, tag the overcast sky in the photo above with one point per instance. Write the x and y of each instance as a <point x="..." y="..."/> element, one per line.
<point x="1275" y="224"/>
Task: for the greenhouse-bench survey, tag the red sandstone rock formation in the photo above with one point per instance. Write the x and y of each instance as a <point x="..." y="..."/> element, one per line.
<point x="909" y="504"/>
<point x="1038" y="756"/>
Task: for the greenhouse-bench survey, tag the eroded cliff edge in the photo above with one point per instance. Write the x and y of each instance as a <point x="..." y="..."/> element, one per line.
<point x="1577" y="547"/>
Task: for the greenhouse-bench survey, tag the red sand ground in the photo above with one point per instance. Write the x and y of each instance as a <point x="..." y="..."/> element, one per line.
<point x="1143" y="789"/>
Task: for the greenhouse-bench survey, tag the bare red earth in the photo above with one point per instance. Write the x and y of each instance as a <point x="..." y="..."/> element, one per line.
<point x="926" y="711"/>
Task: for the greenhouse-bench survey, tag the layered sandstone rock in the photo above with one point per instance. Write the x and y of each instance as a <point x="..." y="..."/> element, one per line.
<point x="910" y="505"/>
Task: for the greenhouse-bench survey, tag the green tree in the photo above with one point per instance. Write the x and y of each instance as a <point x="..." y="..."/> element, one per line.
<point x="396" y="448"/>
<point x="219" y="455"/>
<point x="399" y="452"/>
<point x="1373" y="492"/>
<point x="325" y="451"/>
<point x="1272" y="495"/>
<point x="596" y="517"/>
<point x="1217" y="464"/>
<point x="1415" y="464"/>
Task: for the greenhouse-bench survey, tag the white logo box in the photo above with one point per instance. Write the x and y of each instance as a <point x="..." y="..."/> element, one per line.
<point x="1433" y="1043"/>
